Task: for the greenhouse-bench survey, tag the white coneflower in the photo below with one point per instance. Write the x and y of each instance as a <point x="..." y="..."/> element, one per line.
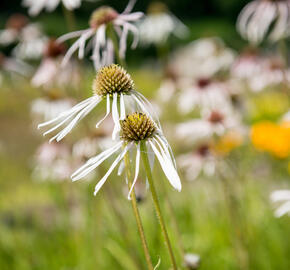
<point x="52" y="162"/>
<point x="50" y="73"/>
<point x="112" y="83"/>
<point x="264" y="18"/>
<point x="283" y="198"/>
<point x="31" y="42"/>
<point x="35" y="6"/>
<point x="13" y="27"/>
<point x="213" y="123"/>
<point x="202" y="58"/>
<point x="273" y="73"/>
<point x="159" y="24"/>
<point x="203" y="94"/>
<point x="98" y="140"/>
<point x="102" y="45"/>
<point x="201" y="160"/>
<point x="135" y="129"/>
<point x="50" y="106"/>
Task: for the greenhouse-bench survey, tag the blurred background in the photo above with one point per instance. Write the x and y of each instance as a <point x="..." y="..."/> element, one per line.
<point x="223" y="100"/>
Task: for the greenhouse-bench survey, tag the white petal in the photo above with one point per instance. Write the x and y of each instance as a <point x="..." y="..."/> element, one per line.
<point x="167" y="168"/>
<point x="107" y="113"/>
<point x="122" y="109"/>
<point x="115" y="163"/>
<point x="94" y="162"/>
<point x="137" y="166"/>
<point x="115" y="116"/>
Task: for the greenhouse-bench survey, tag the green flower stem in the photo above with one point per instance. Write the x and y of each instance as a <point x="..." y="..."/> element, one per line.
<point x="137" y="215"/>
<point x="112" y="34"/>
<point x="145" y="159"/>
<point x="70" y="18"/>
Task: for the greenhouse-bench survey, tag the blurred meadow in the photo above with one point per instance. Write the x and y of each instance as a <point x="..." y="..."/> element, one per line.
<point x="232" y="147"/>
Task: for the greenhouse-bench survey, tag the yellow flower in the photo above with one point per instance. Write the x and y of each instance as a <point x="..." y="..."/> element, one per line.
<point x="271" y="137"/>
<point x="228" y="142"/>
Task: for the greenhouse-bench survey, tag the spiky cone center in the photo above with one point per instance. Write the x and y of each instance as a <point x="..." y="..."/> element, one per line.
<point x="137" y="127"/>
<point x="102" y="15"/>
<point x="112" y="79"/>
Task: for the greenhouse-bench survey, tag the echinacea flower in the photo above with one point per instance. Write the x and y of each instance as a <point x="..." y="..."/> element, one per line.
<point x="103" y="19"/>
<point x="202" y="58"/>
<point x="50" y="73"/>
<point x="261" y="19"/>
<point x="199" y="161"/>
<point x="136" y="128"/>
<point x="203" y="94"/>
<point x="31" y="42"/>
<point x="52" y="162"/>
<point x="13" y="27"/>
<point x="35" y="6"/>
<point x="212" y="123"/>
<point x="112" y="83"/>
<point x="281" y="197"/>
<point x="159" y="24"/>
<point x="50" y="106"/>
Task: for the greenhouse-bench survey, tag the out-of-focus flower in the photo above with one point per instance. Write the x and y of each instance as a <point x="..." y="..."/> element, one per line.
<point x="13" y="28"/>
<point x="31" y="43"/>
<point x="52" y="162"/>
<point x="192" y="261"/>
<point x="260" y="72"/>
<point x="13" y="67"/>
<point x="281" y="197"/>
<point x="203" y="94"/>
<point x="159" y="24"/>
<point x="50" y="106"/>
<point x="99" y="139"/>
<point x="50" y="73"/>
<point x="226" y="143"/>
<point x="136" y="128"/>
<point x="271" y="137"/>
<point x="213" y="123"/>
<point x="262" y="19"/>
<point x="112" y="83"/>
<point x="35" y="6"/>
<point x="29" y="38"/>
<point x="105" y="22"/>
<point x="201" y="160"/>
<point x="202" y="58"/>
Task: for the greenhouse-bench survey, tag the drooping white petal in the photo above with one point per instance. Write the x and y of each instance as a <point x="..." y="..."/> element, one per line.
<point x="75" y="108"/>
<point x="167" y="168"/>
<point x="115" y="163"/>
<point x="122" y="109"/>
<point x="129" y="7"/>
<point x="70" y="35"/>
<point x="94" y="162"/>
<point x="107" y="113"/>
<point x="121" y="168"/>
<point x="137" y="166"/>
<point x="115" y="116"/>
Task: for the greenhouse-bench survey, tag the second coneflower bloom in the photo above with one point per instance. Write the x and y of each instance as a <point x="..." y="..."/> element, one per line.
<point x="136" y="128"/>
<point x="113" y="85"/>
<point x="101" y="42"/>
